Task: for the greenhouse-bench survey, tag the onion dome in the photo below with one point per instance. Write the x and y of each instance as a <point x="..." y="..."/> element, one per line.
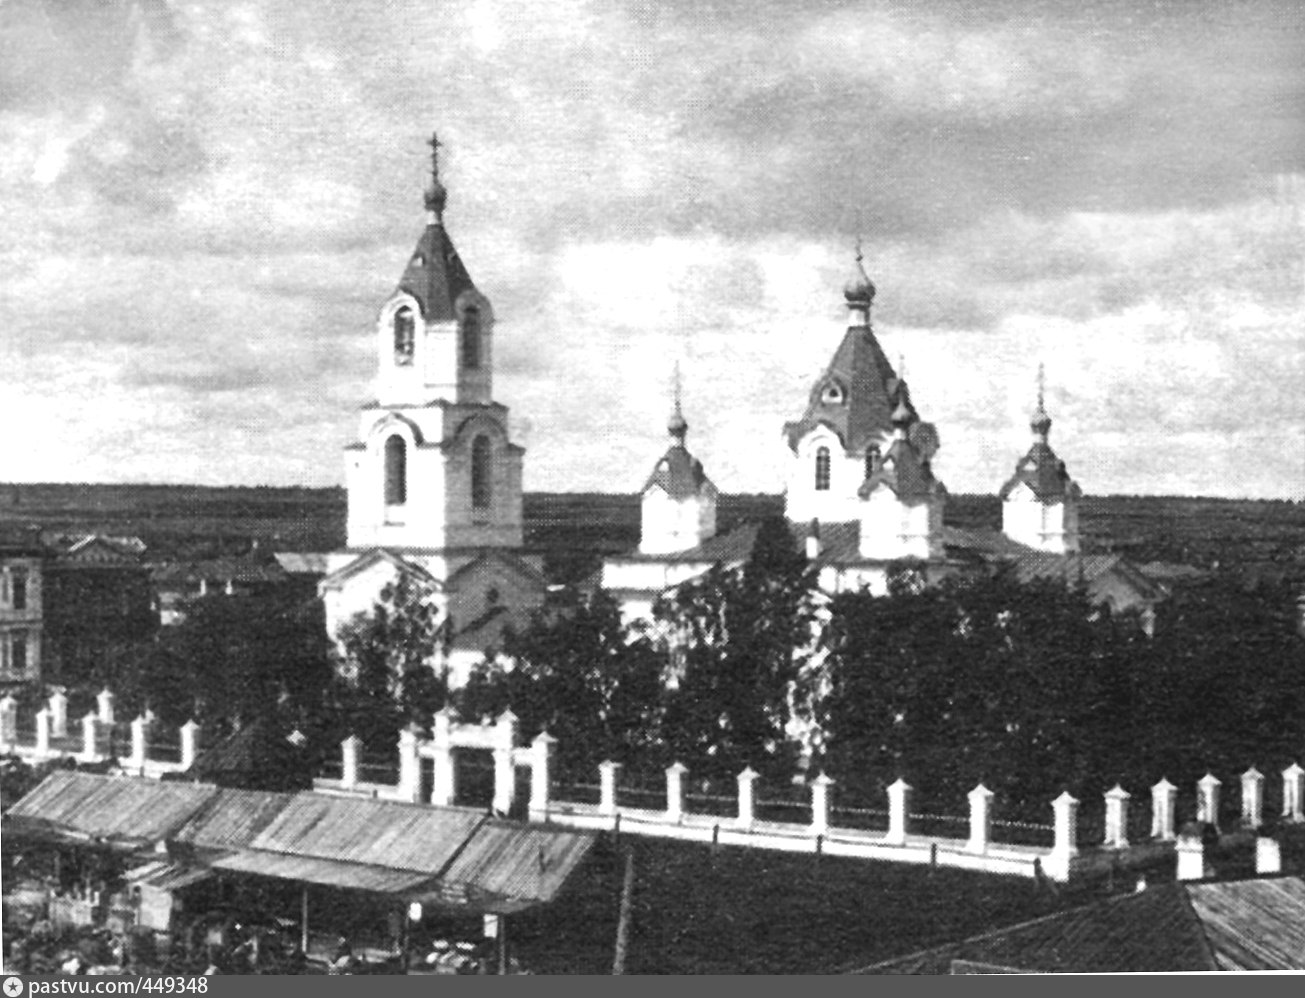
<point x="436" y="195"/>
<point x="677" y="426"/>
<point x="859" y="290"/>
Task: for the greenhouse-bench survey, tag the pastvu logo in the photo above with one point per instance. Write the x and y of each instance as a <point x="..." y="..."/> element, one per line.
<point x="13" y="987"/>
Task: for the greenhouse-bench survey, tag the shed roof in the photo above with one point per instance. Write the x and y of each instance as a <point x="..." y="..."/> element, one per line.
<point x="121" y="810"/>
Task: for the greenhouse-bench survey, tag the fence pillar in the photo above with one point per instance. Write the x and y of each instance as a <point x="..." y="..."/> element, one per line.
<point x="541" y="775"/>
<point x="139" y="749"/>
<point x="104" y="705"/>
<point x="90" y="738"/>
<point x="1268" y="855"/>
<point x="1065" y="809"/>
<point x="1164" y="800"/>
<point x="820" y="804"/>
<point x="409" y="765"/>
<point x="1117" y="799"/>
<point x="747" y="814"/>
<point x="8" y="723"/>
<point x="607" y="773"/>
<point x="899" y="807"/>
<point x="189" y="743"/>
<point x="443" y="788"/>
<point x="675" y="791"/>
<point x="43" y="731"/>
<point x="1293" y="790"/>
<point x="1192" y="859"/>
<point x="58" y="714"/>
<point x="980" y="819"/>
<point x="350" y="751"/>
<point x="1207" y="800"/>
<point x="1252" y="798"/>
<point x="505" y="773"/>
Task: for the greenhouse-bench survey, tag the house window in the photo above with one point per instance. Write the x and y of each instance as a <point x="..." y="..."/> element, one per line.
<point x="822" y="469"/>
<point x="18" y="655"/>
<point x="396" y="471"/>
<point x="481" y="486"/>
<point x="471" y="338"/>
<point x="871" y="460"/>
<point x="404" y="336"/>
<point x="18" y="592"/>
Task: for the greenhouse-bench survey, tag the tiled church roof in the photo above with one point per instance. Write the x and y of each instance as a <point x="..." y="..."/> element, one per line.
<point x="679" y="474"/>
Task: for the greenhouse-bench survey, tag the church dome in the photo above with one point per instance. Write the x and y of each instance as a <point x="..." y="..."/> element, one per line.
<point x="859" y="290"/>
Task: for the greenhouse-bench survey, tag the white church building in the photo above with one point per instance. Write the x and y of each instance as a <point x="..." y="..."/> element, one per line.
<point x="434" y="479"/>
<point x="862" y="497"/>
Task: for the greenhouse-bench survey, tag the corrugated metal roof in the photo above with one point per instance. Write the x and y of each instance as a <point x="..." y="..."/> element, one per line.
<point x="1154" y="931"/>
<point x="360" y="830"/>
<point x="328" y="872"/>
<point x="110" y="807"/>
<point x="528" y="863"/>
<point x="166" y="876"/>
<point x="1254" y="924"/>
<point x="231" y="819"/>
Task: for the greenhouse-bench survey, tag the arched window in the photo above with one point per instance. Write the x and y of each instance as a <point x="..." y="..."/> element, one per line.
<point x="404" y="336"/>
<point x="471" y="338"/>
<point x="822" y="469"/>
<point x="481" y="473"/>
<point x="396" y="471"/>
<point x="871" y="460"/>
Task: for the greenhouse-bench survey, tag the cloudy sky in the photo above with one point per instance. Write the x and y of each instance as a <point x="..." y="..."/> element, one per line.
<point x="204" y="203"/>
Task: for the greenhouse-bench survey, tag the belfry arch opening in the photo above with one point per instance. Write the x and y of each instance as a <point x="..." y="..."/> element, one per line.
<point x="405" y="335"/>
<point x="396" y="471"/>
<point x="471" y="334"/>
<point x="481" y="473"/>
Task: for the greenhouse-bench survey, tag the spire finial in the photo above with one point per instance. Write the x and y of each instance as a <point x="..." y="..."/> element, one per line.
<point x="1041" y="422"/>
<point x="436" y="195"/>
<point x="677" y="426"/>
<point x="859" y="291"/>
<point x="901" y="367"/>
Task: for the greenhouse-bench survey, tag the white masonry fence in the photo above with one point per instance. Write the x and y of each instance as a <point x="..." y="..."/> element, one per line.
<point x="903" y="841"/>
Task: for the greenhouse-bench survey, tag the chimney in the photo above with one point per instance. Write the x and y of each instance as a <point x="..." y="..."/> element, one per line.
<point x="813" y="541"/>
<point x="1195" y="842"/>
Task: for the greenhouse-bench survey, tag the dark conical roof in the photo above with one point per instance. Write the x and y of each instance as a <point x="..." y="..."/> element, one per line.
<point x="435" y="275"/>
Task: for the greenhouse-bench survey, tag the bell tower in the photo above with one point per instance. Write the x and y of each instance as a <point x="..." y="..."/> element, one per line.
<point x="433" y="466"/>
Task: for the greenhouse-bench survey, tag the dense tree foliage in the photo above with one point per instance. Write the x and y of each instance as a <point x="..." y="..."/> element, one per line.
<point x="235" y="659"/>
<point x="739" y="636"/>
<point x="579" y="673"/>
<point x="385" y="675"/>
<point x="1033" y="689"/>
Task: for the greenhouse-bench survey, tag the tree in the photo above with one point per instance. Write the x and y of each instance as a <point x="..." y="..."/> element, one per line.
<point x="740" y="636"/>
<point x="578" y="672"/>
<point x="385" y="665"/>
<point x="236" y="659"/>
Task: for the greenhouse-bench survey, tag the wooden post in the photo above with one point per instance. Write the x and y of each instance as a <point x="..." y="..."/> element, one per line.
<point x="303" y="921"/>
<point x="1293" y="792"/>
<point x="675" y="792"/>
<point x="607" y="773"/>
<point x="1117" y="817"/>
<point x="820" y="804"/>
<point x="980" y="819"/>
<point x="1207" y="799"/>
<point x="1252" y="798"/>
<point x="746" y="780"/>
<point x="899" y="805"/>
<point x="1164" y="798"/>
<point x="623" y="923"/>
<point x="502" y="945"/>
